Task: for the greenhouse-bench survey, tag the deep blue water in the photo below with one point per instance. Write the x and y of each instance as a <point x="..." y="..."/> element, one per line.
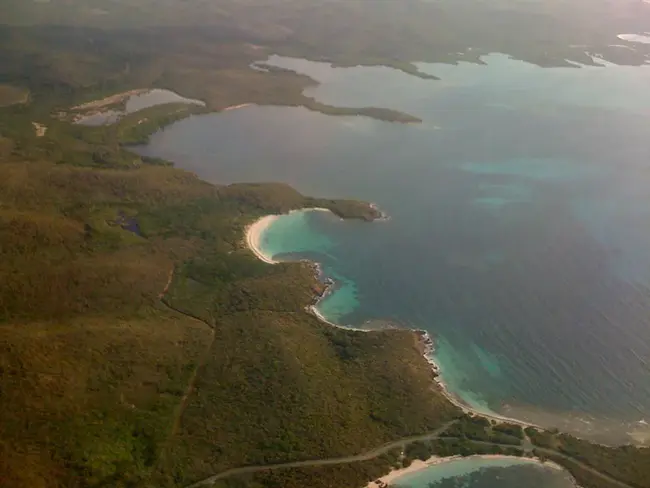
<point x="519" y="230"/>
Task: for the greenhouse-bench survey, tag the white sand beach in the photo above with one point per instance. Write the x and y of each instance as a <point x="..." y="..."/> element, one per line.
<point x="254" y="235"/>
<point x="314" y="310"/>
<point x="469" y="410"/>
<point x="256" y="229"/>
<point x="415" y="466"/>
<point x="419" y="465"/>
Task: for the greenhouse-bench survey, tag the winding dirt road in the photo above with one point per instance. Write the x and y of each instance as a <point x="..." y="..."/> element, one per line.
<point x="383" y="449"/>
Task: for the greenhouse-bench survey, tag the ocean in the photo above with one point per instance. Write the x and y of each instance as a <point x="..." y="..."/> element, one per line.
<point x="519" y="223"/>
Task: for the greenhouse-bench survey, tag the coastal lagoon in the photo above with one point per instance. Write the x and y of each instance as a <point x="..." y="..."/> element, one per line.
<point x="519" y="223"/>
<point x="134" y="103"/>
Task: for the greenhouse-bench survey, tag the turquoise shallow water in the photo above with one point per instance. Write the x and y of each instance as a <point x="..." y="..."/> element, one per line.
<point x="486" y="473"/>
<point x="290" y="234"/>
<point x="290" y="237"/>
<point x="519" y="223"/>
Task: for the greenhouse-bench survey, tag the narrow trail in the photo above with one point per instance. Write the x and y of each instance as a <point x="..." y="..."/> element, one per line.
<point x="180" y="409"/>
<point x="190" y="388"/>
<point x="170" y="278"/>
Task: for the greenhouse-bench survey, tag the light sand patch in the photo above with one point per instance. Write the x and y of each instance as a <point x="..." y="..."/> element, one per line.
<point x="40" y="129"/>
<point x="466" y="408"/>
<point x="235" y="107"/>
<point x="641" y="39"/>
<point x="419" y="465"/>
<point x="254" y="236"/>
<point x="414" y="467"/>
<point x="108" y="101"/>
<point x="255" y="231"/>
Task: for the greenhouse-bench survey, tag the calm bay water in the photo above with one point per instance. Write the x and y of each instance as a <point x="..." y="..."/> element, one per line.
<point x="487" y="473"/>
<point x="519" y="230"/>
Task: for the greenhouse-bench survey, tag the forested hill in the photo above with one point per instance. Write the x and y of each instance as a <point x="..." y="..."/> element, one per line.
<point x="142" y="342"/>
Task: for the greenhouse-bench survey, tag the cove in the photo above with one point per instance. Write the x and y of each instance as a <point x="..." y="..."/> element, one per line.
<point x="487" y="473"/>
<point x="519" y="223"/>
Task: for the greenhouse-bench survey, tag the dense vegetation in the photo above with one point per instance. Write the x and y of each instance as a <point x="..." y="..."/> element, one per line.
<point x="628" y="464"/>
<point x="141" y="344"/>
<point x="105" y="384"/>
<point x="478" y="428"/>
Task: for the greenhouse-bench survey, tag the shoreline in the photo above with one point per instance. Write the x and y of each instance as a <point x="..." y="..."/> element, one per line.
<point x="419" y="465"/>
<point x="235" y="107"/>
<point x="253" y="235"/>
<point x="253" y="232"/>
<point x="428" y="346"/>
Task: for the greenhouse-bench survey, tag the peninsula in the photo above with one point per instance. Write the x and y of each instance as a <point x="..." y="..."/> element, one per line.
<point x="162" y="352"/>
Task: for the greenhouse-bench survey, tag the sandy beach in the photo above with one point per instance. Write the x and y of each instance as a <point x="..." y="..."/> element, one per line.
<point x="314" y="311"/>
<point x="428" y="355"/>
<point x="255" y="231"/>
<point x="419" y="465"/>
<point x="254" y="235"/>
<point x="466" y="408"/>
